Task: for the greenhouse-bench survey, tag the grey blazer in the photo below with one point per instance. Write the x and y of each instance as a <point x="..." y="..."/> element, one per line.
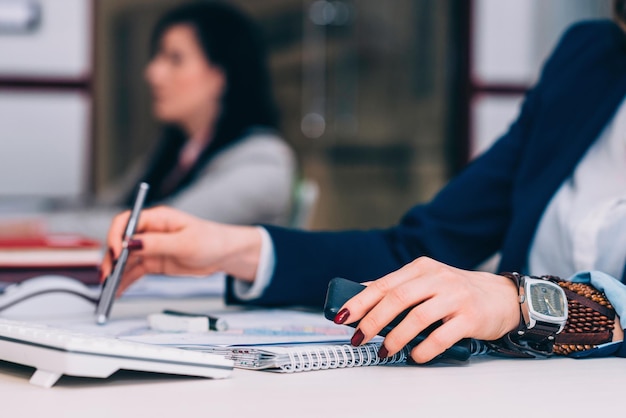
<point x="249" y="182"/>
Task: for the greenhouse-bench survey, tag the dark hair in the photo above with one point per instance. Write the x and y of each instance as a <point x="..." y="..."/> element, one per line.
<point x="619" y="11"/>
<point x="231" y="41"/>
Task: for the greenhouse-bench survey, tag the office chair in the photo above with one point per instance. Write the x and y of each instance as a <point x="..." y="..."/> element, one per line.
<point x="305" y="198"/>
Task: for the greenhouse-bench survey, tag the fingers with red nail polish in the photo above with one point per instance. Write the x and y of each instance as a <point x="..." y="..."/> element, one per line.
<point x="357" y="338"/>
<point x="383" y="353"/>
<point x="134" y="245"/>
<point x="341" y="316"/>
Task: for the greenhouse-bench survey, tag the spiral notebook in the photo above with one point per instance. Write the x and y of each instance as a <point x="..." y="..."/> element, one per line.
<point x="307" y="357"/>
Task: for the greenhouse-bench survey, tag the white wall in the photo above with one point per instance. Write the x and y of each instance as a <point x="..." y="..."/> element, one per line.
<point x="44" y="149"/>
<point x="511" y="39"/>
<point x="45" y="122"/>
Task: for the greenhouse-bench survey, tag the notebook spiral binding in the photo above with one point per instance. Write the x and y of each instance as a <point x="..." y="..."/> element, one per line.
<point x="339" y="356"/>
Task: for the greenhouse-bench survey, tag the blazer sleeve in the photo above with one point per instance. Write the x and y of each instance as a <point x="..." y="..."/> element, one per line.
<point x="462" y="226"/>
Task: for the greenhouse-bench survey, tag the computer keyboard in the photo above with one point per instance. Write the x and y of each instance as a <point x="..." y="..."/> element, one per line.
<point x="54" y="352"/>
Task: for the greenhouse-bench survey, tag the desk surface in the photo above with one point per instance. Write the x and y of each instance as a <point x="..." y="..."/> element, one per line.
<point x="484" y="387"/>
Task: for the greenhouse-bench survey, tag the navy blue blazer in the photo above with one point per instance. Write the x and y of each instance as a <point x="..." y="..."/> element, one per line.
<point x="495" y="204"/>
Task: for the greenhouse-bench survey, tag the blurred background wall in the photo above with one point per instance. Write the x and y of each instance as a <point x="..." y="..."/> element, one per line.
<point x="383" y="101"/>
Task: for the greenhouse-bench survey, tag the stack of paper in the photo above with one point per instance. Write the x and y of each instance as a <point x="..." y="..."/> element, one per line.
<point x="260" y="339"/>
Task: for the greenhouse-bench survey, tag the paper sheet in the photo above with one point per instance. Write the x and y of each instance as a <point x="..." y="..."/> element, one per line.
<point x="177" y="287"/>
<point x="246" y="327"/>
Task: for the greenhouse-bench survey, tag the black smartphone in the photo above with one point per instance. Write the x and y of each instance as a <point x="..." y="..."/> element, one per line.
<point x="340" y="290"/>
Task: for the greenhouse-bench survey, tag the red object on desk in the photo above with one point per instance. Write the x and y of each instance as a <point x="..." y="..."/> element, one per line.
<point x="23" y="257"/>
<point x="48" y="241"/>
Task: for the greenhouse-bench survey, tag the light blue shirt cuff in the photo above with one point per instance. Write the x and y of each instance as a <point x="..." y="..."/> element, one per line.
<point x="614" y="290"/>
<point x="267" y="259"/>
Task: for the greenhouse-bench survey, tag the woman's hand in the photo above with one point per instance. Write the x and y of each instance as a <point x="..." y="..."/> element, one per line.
<point x="172" y="242"/>
<point x="470" y="304"/>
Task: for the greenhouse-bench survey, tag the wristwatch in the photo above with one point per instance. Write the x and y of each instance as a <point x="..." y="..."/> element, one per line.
<point x="543" y="314"/>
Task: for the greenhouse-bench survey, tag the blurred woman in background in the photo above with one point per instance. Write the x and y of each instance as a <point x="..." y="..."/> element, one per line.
<point x="220" y="156"/>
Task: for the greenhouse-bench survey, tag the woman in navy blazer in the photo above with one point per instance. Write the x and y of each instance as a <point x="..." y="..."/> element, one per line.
<point x="494" y="205"/>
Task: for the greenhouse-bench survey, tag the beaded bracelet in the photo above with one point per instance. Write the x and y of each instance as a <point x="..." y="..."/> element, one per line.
<point x="590" y="319"/>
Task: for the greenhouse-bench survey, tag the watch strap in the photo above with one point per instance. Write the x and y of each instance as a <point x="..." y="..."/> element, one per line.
<point x="509" y="346"/>
<point x="523" y="342"/>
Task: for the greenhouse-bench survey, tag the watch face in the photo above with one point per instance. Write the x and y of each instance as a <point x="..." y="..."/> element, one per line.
<point x="548" y="300"/>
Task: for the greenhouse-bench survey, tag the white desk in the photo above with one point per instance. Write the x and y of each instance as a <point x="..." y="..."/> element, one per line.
<point x="484" y="387"/>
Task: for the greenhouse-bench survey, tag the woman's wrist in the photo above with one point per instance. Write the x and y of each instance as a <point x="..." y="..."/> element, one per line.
<point x="511" y="298"/>
<point x="242" y="250"/>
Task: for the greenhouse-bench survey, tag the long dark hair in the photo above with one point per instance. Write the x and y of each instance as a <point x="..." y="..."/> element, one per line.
<point x="619" y="12"/>
<point x="233" y="42"/>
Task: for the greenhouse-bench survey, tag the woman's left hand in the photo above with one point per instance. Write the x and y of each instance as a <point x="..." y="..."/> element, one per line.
<point x="470" y="304"/>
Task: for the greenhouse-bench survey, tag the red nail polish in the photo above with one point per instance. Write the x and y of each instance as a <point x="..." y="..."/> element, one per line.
<point x="111" y="254"/>
<point x="134" y="245"/>
<point x="357" y="338"/>
<point x="341" y="316"/>
<point x="383" y="353"/>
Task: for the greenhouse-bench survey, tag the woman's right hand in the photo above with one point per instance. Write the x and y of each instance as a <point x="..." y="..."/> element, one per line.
<point x="172" y="242"/>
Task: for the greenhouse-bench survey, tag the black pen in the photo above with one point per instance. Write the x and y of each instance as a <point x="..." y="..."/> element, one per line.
<point x="113" y="281"/>
<point x="215" y="324"/>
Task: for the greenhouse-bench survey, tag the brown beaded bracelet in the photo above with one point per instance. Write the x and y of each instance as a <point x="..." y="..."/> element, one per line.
<point x="590" y="319"/>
